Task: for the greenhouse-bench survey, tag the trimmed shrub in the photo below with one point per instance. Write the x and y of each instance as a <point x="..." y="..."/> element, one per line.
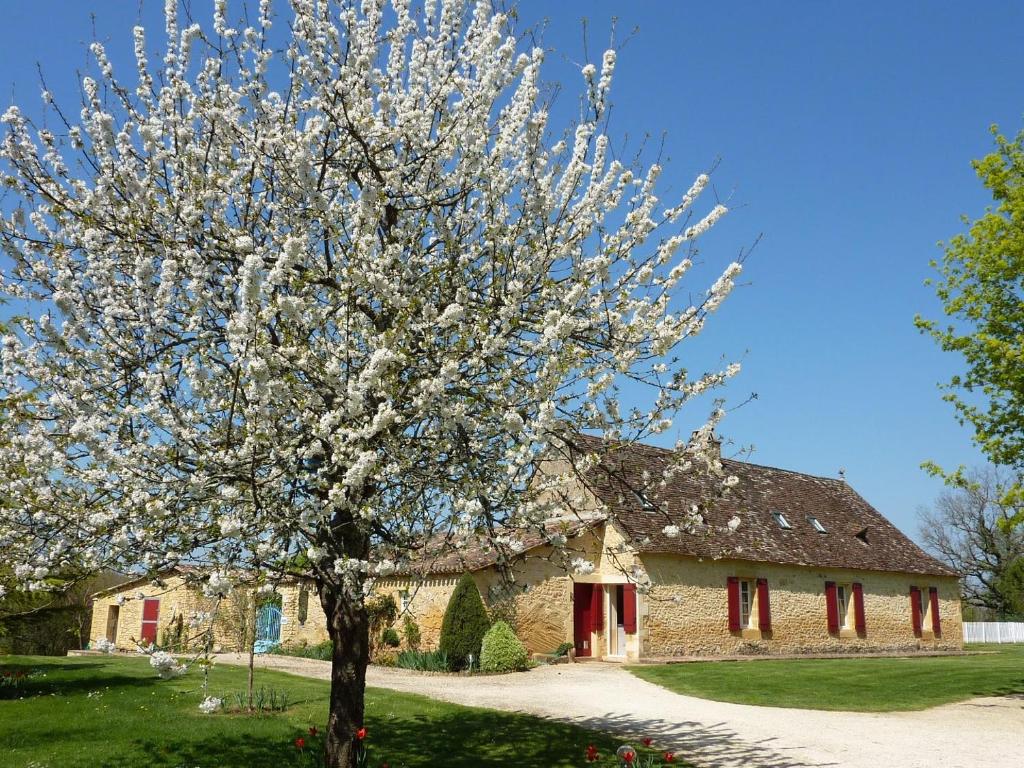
<point x="502" y="651"/>
<point x="391" y="638"/>
<point x="465" y="624"/>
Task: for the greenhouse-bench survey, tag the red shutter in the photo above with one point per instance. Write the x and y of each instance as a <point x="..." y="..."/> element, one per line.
<point x="832" y="607"/>
<point x="597" y="608"/>
<point x="150" y="614"/>
<point x="734" y="603"/>
<point x="150" y="610"/>
<point x="764" y="608"/>
<point x="933" y="597"/>
<point x="858" y="608"/>
<point x="629" y="608"/>
<point x="915" y="610"/>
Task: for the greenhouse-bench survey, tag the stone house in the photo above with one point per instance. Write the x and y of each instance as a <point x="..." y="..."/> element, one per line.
<point x="141" y="612"/>
<point x="812" y="567"/>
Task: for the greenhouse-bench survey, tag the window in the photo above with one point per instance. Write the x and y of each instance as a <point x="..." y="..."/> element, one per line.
<point x="781" y="520"/>
<point x="922" y="601"/>
<point x="746" y="601"/>
<point x="842" y="605"/>
<point x="403" y="600"/>
<point x="817" y="525"/>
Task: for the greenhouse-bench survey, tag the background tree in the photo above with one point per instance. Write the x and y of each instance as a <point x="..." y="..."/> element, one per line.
<point x="967" y="529"/>
<point x="334" y="287"/>
<point x="982" y="291"/>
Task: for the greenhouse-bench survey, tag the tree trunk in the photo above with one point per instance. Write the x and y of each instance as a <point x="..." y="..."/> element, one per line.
<point x="251" y="621"/>
<point x="348" y="626"/>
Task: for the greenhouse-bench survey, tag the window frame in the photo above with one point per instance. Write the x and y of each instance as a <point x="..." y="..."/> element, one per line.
<point x="844" y="592"/>
<point x="816" y="523"/>
<point x="747" y="591"/>
<point x="782" y="521"/>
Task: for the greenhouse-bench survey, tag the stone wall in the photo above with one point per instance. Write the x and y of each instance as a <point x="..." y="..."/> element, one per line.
<point x="177" y="599"/>
<point x="686" y="611"/>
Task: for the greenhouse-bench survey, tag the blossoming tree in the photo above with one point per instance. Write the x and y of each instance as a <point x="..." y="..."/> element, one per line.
<point x="319" y="298"/>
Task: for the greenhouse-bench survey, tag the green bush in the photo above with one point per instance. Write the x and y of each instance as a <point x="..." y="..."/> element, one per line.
<point x="502" y="651"/>
<point x="465" y="624"/>
<point x="391" y="638"/>
<point x="563" y="649"/>
<point x="322" y="651"/>
<point x="423" y="661"/>
<point x="412" y="632"/>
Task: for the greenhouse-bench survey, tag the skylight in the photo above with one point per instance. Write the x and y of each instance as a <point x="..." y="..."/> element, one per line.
<point x="817" y="525"/>
<point x="781" y="520"/>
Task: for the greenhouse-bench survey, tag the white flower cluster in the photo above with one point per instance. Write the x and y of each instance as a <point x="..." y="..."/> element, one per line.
<point x="210" y="704"/>
<point x="103" y="645"/>
<point x="581" y="566"/>
<point x="166" y="665"/>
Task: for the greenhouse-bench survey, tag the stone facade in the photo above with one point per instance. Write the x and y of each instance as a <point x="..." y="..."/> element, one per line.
<point x="302" y="617"/>
<point x="685" y="611"/>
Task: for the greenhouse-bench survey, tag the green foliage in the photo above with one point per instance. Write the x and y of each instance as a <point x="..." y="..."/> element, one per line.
<point x="391" y="638"/>
<point x="423" y="661"/>
<point x="322" y="651"/>
<point x="563" y="649"/>
<point x="465" y="623"/>
<point x="382" y="612"/>
<point x="263" y="700"/>
<point x="502" y="651"/>
<point x="411" y="630"/>
<point x="981" y="289"/>
<point x="1011" y="586"/>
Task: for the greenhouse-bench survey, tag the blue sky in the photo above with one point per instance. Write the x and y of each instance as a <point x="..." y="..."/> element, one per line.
<point x="844" y="134"/>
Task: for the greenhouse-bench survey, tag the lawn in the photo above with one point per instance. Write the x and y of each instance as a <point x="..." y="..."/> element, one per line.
<point x="859" y="685"/>
<point x="106" y="712"/>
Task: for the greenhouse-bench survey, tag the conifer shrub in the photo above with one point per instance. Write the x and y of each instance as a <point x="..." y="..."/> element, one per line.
<point x="502" y="651"/>
<point x="465" y="624"/>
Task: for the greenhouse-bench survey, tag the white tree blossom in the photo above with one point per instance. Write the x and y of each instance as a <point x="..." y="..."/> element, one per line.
<point x="316" y="301"/>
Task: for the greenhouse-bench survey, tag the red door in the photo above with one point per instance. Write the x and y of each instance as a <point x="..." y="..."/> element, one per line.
<point x="582" y="617"/>
<point x="150" y="614"/>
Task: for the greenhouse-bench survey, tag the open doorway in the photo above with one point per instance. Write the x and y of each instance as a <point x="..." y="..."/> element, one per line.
<point x="113" y="614"/>
<point x="621" y="617"/>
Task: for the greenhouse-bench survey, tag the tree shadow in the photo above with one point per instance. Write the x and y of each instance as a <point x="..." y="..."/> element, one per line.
<point x="62" y="685"/>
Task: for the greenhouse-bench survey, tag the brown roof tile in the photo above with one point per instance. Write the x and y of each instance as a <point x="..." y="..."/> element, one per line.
<point x="760" y="492"/>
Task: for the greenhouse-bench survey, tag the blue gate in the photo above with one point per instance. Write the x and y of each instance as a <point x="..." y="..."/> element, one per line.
<point x="268" y="628"/>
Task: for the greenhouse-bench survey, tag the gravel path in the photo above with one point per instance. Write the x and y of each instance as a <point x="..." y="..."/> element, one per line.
<point x="980" y="733"/>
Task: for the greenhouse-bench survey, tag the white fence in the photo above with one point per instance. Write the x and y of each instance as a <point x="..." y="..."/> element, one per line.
<point x="994" y="631"/>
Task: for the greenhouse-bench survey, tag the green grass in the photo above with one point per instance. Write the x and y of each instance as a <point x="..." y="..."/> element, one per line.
<point x="855" y="684"/>
<point x="106" y="712"/>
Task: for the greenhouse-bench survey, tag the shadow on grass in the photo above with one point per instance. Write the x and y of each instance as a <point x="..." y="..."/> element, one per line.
<point x="56" y="683"/>
<point x="479" y="739"/>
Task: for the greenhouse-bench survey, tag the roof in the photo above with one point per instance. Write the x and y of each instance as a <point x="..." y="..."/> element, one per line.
<point x="440" y="557"/>
<point x="760" y="491"/>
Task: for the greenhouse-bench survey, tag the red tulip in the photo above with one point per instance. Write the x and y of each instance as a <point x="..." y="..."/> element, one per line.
<point x="648" y="741"/>
<point x="669" y="757"/>
<point x="361" y="734"/>
<point x="300" y="743"/>
<point x="628" y="757"/>
<point x="313" y="731"/>
<point x="592" y="754"/>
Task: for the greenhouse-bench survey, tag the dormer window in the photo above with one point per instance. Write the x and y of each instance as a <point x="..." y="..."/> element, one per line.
<point x="862" y="535"/>
<point x="781" y="520"/>
<point x="817" y="524"/>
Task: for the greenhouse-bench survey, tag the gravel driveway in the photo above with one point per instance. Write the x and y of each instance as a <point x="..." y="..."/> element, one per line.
<point x="980" y="733"/>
